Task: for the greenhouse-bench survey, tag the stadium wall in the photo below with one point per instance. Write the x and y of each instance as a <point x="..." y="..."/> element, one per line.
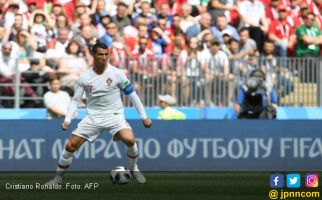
<point x="191" y="113"/>
<point x="191" y="145"/>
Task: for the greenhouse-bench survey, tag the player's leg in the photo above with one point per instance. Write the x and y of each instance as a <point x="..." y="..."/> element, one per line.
<point x="74" y="143"/>
<point x="127" y="137"/>
<point x="65" y="160"/>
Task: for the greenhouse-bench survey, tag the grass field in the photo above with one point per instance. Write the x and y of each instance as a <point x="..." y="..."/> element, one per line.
<point x="160" y="186"/>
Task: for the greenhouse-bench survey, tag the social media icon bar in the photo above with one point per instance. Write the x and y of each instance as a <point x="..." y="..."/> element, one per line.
<point x="311" y="180"/>
<point x="293" y="180"/>
<point x="277" y="181"/>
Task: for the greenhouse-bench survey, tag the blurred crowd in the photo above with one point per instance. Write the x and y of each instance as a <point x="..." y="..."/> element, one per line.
<point x="175" y="42"/>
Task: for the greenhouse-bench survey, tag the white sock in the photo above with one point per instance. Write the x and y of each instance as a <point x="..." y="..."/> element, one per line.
<point x="64" y="162"/>
<point x="132" y="154"/>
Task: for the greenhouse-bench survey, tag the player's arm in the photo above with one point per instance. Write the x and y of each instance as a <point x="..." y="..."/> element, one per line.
<point x="128" y="90"/>
<point x="73" y="106"/>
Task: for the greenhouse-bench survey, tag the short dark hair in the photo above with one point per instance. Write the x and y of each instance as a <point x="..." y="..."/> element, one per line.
<point x="243" y="29"/>
<point x="99" y="45"/>
<point x="231" y="40"/>
<point x="122" y="4"/>
<point x="54" y="78"/>
<point x="215" y="42"/>
<point x="310" y="13"/>
<point x="269" y="41"/>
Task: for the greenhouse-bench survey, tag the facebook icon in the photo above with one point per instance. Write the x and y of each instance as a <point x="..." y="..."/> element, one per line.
<point x="277" y="180"/>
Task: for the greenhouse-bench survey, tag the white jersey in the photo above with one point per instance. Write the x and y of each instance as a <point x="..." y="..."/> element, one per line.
<point x="103" y="91"/>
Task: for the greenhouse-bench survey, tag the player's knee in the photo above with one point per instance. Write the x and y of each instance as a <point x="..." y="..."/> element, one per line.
<point x="70" y="147"/>
<point x="130" y="141"/>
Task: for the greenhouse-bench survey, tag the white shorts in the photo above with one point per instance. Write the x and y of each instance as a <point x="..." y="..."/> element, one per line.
<point x="90" y="128"/>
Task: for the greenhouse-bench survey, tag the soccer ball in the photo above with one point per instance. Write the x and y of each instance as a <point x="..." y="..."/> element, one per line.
<point x="120" y="175"/>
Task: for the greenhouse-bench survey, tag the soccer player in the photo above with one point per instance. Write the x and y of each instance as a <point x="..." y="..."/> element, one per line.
<point x="102" y="83"/>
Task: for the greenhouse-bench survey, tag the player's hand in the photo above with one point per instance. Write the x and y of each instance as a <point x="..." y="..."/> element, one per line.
<point x="65" y="125"/>
<point x="147" y="123"/>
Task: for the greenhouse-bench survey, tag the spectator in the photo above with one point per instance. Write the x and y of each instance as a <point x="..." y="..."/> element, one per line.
<point x="277" y="75"/>
<point x="217" y="76"/>
<point x="32" y="7"/>
<point x="18" y="25"/>
<point x="119" y="53"/>
<point x="282" y="33"/>
<point x="189" y="72"/>
<point x="299" y="20"/>
<point x="186" y="19"/>
<point x="79" y="10"/>
<point x="72" y="65"/>
<point x="59" y="45"/>
<point x="61" y="22"/>
<point x="159" y="42"/>
<point x="164" y="13"/>
<point x="8" y="70"/>
<point x="38" y="23"/>
<point x="308" y="38"/>
<point x="178" y="39"/>
<point x="38" y="73"/>
<point x="293" y="11"/>
<point x="104" y="20"/>
<point x="26" y="46"/>
<point x="254" y="101"/>
<point x="145" y="13"/>
<point x="198" y="28"/>
<point x="319" y="17"/>
<point x="169" y="113"/>
<point x="86" y="39"/>
<point x="56" y="11"/>
<point x="223" y="26"/>
<point x="219" y="7"/>
<point x="108" y="37"/>
<point x="226" y="35"/>
<point x="206" y="40"/>
<point x="252" y="14"/>
<point x="122" y="19"/>
<point x="56" y="100"/>
<point x="9" y="18"/>
<point x="247" y="45"/>
<point x="169" y="70"/>
<point x="271" y="11"/>
<point x="2" y="34"/>
<point x="7" y="60"/>
<point x="162" y="24"/>
<point x="145" y="70"/>
<point x="98" y="10"/>
<point x="175" y="24"/>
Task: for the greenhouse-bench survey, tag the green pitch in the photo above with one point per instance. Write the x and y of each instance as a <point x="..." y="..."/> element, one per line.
<point x="160" y="186"/>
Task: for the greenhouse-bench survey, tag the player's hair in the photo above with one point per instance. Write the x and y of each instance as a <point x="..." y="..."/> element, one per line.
<point x="97" y="46"/>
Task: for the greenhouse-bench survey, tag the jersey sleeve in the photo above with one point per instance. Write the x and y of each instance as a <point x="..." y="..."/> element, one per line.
<point x="73" y="106"/>
<point x="125" y="84"/>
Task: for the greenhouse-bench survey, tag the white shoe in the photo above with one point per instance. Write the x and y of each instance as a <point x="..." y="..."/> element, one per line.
<point x="55" y="181"/>
<point x="139" y="177"/>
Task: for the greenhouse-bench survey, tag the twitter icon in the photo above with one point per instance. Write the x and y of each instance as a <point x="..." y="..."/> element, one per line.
<point x="293" y="180"/>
